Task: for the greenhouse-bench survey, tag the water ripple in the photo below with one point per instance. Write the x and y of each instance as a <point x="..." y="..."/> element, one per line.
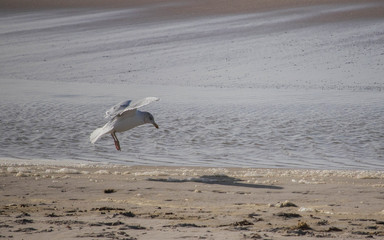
<point x="287" y="132"/>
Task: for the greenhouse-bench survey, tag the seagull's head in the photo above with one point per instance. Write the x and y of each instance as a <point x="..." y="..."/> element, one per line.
<point x="148" y="118"/>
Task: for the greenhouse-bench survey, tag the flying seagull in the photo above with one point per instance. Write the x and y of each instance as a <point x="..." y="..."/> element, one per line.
<point x="124" y="116"/>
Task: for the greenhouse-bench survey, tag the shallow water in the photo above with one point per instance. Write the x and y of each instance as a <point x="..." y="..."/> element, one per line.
<point x="235" y="91"/>
<point x="222" y="127"/>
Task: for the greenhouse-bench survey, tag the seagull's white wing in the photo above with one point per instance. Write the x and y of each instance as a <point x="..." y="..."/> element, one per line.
<point x="129" y="105"/>
<point x="118" y="108"/>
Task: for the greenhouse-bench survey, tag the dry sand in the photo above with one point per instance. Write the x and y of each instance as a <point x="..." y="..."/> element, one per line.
<point x="121" y="202"/>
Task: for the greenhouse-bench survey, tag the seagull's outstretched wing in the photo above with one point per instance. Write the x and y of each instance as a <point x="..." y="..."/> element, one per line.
<point x="118" y="108"/>
<point x="128" y="105"/>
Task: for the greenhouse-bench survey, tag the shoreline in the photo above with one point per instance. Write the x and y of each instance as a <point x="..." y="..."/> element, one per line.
<point x="21" y="162"/>
<point x="142" y="202"/>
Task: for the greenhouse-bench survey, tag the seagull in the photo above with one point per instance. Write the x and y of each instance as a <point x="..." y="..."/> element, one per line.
<point x="124" y="116"/>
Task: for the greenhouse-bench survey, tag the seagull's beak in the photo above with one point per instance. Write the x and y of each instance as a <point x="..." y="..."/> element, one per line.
<point x="154" y="124"/>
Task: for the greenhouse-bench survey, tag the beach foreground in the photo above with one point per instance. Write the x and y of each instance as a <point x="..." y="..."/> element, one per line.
<point x="140" y="202"/>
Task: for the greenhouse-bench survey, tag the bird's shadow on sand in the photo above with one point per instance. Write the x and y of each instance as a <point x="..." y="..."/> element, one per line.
<point x="216" y="179"/>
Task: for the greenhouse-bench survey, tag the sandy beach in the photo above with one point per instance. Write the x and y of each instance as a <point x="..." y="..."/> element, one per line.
<point x="120" y="202"/>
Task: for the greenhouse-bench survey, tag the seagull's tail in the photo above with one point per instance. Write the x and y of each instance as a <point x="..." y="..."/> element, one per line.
<point x="99" y="132"/>
<point x="95" y="135"/>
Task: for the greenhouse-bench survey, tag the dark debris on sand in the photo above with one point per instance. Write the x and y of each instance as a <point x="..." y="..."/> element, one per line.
<point x="186" y="225"/>
<point x="288" y="215"/>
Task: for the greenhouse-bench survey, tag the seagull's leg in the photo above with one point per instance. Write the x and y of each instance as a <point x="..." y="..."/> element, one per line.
<point x="117" y="144"/>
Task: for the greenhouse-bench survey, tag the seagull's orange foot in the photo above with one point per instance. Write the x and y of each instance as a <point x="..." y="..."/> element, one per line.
<point x="117" y="145"/>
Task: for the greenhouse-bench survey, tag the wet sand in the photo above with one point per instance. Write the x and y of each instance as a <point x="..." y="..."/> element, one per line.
<point x="121" y="202"/>
<point x="169" y="9"/>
